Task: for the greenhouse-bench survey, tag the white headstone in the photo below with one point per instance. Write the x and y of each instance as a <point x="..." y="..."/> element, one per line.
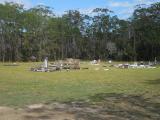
<point x="45" y="62"/>
<point x="155" y="61"/>
<point x="110" y="61"/>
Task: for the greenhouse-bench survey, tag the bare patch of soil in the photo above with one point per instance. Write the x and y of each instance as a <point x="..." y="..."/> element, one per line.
<point x="100" y="107"/>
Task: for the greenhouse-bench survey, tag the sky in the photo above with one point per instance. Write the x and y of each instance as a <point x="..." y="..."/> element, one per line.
<point x="122" y="8"/>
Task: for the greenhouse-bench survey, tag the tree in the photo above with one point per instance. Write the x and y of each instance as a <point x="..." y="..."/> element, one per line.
<point x="38" y="32"/>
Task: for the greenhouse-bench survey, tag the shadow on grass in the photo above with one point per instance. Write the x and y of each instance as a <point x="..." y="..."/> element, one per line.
<point x="102" y="106"/>
<point x="128" y="106"/>
<point x="154" y="82"/>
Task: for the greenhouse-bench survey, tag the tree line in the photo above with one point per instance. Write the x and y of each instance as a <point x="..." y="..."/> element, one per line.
<point x="37" y="32"/>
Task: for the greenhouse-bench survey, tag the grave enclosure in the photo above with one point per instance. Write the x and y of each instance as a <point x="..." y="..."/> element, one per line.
<point x="67" y="64"/>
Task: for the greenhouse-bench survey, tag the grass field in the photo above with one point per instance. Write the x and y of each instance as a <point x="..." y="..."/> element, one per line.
<point x="19" y="86"/>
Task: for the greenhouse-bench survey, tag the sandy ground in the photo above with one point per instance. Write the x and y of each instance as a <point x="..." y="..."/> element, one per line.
<point x="110" y="107"/>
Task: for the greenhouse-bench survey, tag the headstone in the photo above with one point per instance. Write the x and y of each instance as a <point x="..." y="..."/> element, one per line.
<point x="99" y="61"/>
<point x="94" y="62"/>
<point x="46" y="62"/>
<point x="155" y="61"/>
<point x="110" y="61"/>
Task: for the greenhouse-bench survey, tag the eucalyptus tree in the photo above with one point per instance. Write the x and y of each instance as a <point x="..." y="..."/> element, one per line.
<point x="75" y="23"/>
<point x="10" y="31"/>
<point x="101" y="27"/>
<point x="146" y="22"/>
<point x="36" y="33"/>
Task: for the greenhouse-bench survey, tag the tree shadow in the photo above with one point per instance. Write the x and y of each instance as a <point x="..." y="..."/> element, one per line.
<point x="127" y="106"/>
<point x="154" y="82"/>
<point x="103" y="106"/>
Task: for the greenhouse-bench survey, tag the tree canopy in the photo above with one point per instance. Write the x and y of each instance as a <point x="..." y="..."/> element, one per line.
<point x="38" y="32"/>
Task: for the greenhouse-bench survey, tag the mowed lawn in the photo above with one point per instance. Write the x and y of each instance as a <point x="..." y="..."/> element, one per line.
<point x="19" y="86"/>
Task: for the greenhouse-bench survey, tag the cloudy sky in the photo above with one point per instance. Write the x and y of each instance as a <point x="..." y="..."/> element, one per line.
<point x="122" y="8"/>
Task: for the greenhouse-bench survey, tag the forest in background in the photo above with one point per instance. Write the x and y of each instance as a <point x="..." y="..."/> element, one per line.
<point x="37" y="32"/>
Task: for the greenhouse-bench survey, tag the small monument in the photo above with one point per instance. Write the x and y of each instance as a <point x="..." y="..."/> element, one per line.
<point x="110" y="61"/>
<point x="46" y="62"/>
<point x="155" y="61"/>
<point x="94" y="62"/>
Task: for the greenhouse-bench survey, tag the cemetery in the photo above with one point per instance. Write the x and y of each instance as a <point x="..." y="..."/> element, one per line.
<point x="79" y="60"/>
<point x="136" y="65"/>
<point x="81" y="93"/>
<point x="74" y="64"/>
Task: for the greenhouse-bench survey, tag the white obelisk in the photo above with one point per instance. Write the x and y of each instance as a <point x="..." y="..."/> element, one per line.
<point x="46" y="62"/>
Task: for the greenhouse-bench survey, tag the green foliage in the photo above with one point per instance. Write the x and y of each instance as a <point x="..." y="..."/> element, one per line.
<point x="38" y="32"/>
